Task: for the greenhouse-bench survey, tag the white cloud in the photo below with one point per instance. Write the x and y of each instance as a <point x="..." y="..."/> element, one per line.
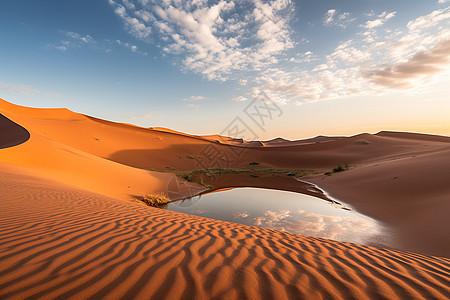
<point x="443" y="1"/>
<point x="329" y="16"/>
<point x="249" y="42"/>
<point x="429" y="20"/>
<point x="305" y="57"/>
<point x="243" y="82"/>
<point x="346" y="53"/>
<point x="136" y="26"/>
<point x="332" y="18"/>
<point x="239" y="99"/>
<point x="132" y="47"/>
<point x="320" y="67"/>
<point x="423" y="33"/>
<point x="390" y="59"/>
<point x="213" y="39"/>
<point x="86" y="39"/>
<point x="382" y="18"/>
<point x="195" y="98"/>
<point x="75" y="40"/>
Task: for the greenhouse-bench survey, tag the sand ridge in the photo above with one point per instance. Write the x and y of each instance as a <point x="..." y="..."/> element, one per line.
<point x="66" y="243"/>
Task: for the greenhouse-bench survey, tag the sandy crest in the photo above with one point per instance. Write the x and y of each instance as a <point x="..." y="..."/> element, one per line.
<point x="59" y="242"/>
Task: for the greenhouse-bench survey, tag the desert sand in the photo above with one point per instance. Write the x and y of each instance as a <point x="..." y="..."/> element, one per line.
<point x="71" y="226"/>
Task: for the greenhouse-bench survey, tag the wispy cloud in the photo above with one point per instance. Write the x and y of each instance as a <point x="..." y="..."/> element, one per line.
<point x="380" y="20"/>
<point x="239" y="99"/>
<point x="86" y="39"/>
<point x="429" y="20"/>
<point x="17" y="88"/>
<point x="73" y="40"/>
<point x="195" y="101"/>
<point x="194" y="98"/>
<point x="20" y="88"/>
<point x="132" y="47"/>
<point x="333" y="18"/>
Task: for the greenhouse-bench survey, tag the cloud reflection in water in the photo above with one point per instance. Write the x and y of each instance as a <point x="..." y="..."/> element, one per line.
<point x="312" y="224"/>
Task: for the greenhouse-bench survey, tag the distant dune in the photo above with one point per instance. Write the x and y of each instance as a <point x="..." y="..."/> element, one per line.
<point x="70" y="227"/>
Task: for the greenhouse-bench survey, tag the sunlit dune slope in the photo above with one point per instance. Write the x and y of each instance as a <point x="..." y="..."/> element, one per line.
<point x="55" y="149"/>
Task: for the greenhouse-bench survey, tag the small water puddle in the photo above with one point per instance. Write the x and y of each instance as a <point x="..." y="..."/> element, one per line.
<point x="286" y="211"/>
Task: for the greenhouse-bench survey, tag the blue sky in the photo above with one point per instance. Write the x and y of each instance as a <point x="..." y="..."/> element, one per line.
<point x="329" y="67"/>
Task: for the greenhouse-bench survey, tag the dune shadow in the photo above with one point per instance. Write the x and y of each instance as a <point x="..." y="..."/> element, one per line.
<point x="11" y="133"/>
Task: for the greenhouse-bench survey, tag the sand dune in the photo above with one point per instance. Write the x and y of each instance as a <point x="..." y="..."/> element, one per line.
<point x="65" y="231"/>
<point x="117" y="160"/>
<point x="55" y="151"/>
<point x="410" y="194"/>
<point x="58" y="242"/>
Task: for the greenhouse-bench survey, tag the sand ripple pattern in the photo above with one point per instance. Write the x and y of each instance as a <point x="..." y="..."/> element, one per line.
<point x="57" y="242"/>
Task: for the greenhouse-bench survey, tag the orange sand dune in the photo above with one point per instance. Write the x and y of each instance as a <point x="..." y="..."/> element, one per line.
<point x="410" y="194"/>
<point x="55" y="151"/>
<point x="59" y="242"/>
<point x="66" y="233"/>
<point x="116" y="160"/>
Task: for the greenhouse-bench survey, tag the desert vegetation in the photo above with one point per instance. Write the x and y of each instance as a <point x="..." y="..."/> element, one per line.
<point x="154" y="200"/>
<point x="220" y="171"/>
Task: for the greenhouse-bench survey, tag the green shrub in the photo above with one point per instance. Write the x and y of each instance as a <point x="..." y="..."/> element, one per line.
<point x="185" y="176"/>
<point x="254" y="163"/>
<point x="340" y="168"/>
<point x="200" y="181"/>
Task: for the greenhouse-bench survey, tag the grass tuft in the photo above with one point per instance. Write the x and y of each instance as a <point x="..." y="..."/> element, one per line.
<point x="340" y="168"/>
<point x="185" y="176"/>
<point x="219" y="171"/>
<point x="200" y="181"/>
<point x="154" y="200"/>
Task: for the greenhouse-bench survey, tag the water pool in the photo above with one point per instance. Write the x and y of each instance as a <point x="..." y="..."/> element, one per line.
<point x="286" y="211"/>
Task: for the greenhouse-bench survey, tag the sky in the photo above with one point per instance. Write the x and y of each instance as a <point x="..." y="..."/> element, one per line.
<point x="250" y="68"/>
